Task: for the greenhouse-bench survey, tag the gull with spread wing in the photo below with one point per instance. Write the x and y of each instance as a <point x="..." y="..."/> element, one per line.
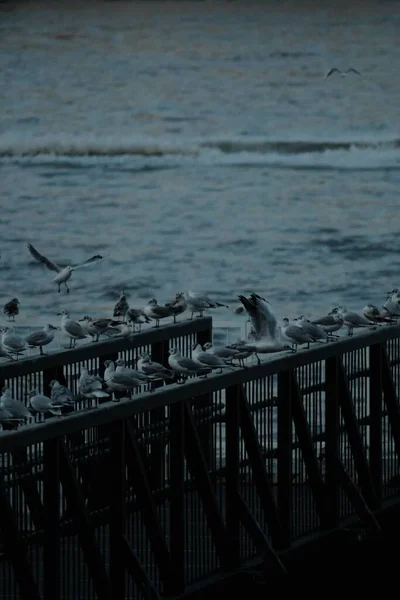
<point x="63" y="273"/>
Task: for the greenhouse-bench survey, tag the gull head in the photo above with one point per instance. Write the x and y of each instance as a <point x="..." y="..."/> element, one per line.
<point x="5" y="389"/>
<point x="120" y="362"/>
<point x="174" y="351"/>
<point x="107" y="363"/>
<point x="285" y="321"/>
<point x="4" y="329"/>
<point x="334" y="311"/>
<point x="32" y="393"/>
<point x="152" y="302"/>
<point x="207" y="345"/>
<point x="194" y="346"/>
<point x="63" y="313"/>
<point x="145" y="357"/>
<point x="15" y="301"/>
<point x="53" y="383"/>
<point x="50" y="326"/>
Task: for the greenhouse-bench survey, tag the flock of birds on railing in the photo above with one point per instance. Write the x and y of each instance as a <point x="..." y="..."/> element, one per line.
<point x="265" y="337"/>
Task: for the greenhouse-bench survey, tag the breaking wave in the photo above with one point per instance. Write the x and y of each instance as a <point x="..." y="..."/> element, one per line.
<point x="88" y="149"/>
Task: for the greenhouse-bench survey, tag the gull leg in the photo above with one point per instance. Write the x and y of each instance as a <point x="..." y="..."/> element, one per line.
<point x="41" y="350"/>
<point x="65" y="283"/>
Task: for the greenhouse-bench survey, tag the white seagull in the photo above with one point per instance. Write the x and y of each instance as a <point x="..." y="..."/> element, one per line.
<point x="73" y="329"/>
<point x="38" y="339"/>
<point x="185" y="366"/>
<point x="262" y="318"/>
<point x="90" y="385"/>
<point x="42" y="404"/>
<point x="206" y="359"/>
<point x="16" y="408"/>
<point x="63" y="273"/>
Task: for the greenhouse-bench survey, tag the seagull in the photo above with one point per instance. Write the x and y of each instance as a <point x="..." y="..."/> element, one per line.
<point x="121" y="368"/>
<point x="178" y="305"/>
<point x="342" y="73"/>
<point x="205" y="359"/>
<point x="63" y="273"/>
<point x="156" y="311"/>
<point x="42" y="404"/>
<point x="198" y="302"/>
<point x="295" y="334"/>
<point x="183" y="365"/>
<point x="329" y="323"/>
<point x="12" y="342"/>
<point x="375" y="315"/>
<point x="11" y="309"/>
<point x="60" y="394"/>
<point x="262" y="318"/>
<point x="73" y="329"/>
<point x="262" y="346"/>
<point x="16" y="408"/>
<point x="90" y="385"/>
<point x="392" y="303"/>
<point x="228" y="354"/>
<point x="136" y="316"/>
<point x="122" y="329"/>
<point x="117" y="381"/>
<point x="317" y="333"/>
<point x="121" y="307"/>
<point x="148" y="367"/>
<point x="350" y="319"/>
<point x="38" y="339"/>
<point x="97" y="327"/>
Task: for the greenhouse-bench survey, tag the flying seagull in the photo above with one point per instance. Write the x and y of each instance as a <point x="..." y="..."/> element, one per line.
<point x="63" y="273"/>
<point x="342" y="73"/>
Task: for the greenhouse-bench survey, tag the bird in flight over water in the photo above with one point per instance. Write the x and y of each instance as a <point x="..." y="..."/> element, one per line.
<point x="342" y="73"/>
<point x="63" y="273"/>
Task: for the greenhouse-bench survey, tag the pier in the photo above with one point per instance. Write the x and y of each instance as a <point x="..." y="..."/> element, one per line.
<point x="186" y="487"/>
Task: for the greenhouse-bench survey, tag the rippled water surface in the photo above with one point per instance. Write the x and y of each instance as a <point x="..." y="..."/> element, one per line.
<point x="200" y="145"/>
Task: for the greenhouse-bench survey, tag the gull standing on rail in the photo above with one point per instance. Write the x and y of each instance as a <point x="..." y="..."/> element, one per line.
<point x="262" y="318"/>
<point x="73" y="329"/>
<point x="63" y="273"/>
<point x="41" y="338"/>
<point x="198" y="302"/>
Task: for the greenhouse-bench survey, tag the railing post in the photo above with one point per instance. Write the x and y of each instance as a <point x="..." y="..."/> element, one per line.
<point x="177" y="494"/>
<point x="285" y="466"/>
<point x="375" y="406"/>
<point x="117" y="482"/>
<point x="331" y="440"/>
<point x="159" y="353"/>
<point x="205" y="430"/>
<point x="51" y="511"/>
<point x="232" y="472"/>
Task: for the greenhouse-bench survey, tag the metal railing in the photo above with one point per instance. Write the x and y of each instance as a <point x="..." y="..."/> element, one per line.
<point x="147" y="497"/>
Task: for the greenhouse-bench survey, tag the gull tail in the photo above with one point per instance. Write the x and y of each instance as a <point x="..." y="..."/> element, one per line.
<point x="219" y="304"/>
<point x="99" y="394"/>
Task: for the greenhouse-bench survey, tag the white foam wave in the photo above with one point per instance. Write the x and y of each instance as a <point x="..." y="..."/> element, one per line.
<point x="141" y="152"/>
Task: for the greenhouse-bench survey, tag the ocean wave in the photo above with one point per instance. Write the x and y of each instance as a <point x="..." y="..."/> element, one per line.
<point x="117" y="152"/>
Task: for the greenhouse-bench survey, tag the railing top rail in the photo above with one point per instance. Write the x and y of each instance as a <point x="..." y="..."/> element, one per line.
<point x="110" y="411"/>
<point x="103" y="348"/>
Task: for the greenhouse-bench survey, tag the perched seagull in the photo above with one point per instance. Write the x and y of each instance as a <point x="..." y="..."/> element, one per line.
<point x="122" y="329"/>
<point x="185" y="366"/>
<point x="12" y="342"/>
<point x="73" y="329"/>
<point x="16" y="408"/>
<point x="119" y="382"/>
<point x="90" y="385"/>
<point x="263" y="346"/>
<point x="317" y="333"/>
<point x="38" y="339"/>
<point x="330" y="323"/>
<point x="156" y="311"/>
<point x="375" y="315"/>
<point x="205" y="359"/>
<point x="121" y="368"/>
<point x="5" y="415"/>
<point x="136" y="316"/>
<point x="63" y="273"/>
<point x="228" y="354"/>
<point x="295" y="334"/>
<point x="11" y="309"/>
<point x="148" y="367"/>
<point x="97" y="327"/>
<point x="392" y="303"/>
<point x="121" y="307"/>
<point x="342" y="73"/>
<point x="351" y="320"/>
<point x="42" y="404"/>
<point x="198" y="302"/>
<point x="178" y="305"/>
<point x="61" y="395"/>
<point x="262" y="318"/>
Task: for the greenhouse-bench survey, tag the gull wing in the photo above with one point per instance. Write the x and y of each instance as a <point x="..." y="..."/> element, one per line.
<point x="352" y="70"/>
<point x="331" y="71"/>
<point x="93" y="259"/>
<point x="43" y="259"/>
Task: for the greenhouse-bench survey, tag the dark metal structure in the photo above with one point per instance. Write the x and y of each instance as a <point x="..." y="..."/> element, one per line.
<point x="154" y="496"/>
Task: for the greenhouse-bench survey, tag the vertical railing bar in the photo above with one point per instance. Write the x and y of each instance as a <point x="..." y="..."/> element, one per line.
<point x="285" y="457"/>
<point x="375" y="402"/>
